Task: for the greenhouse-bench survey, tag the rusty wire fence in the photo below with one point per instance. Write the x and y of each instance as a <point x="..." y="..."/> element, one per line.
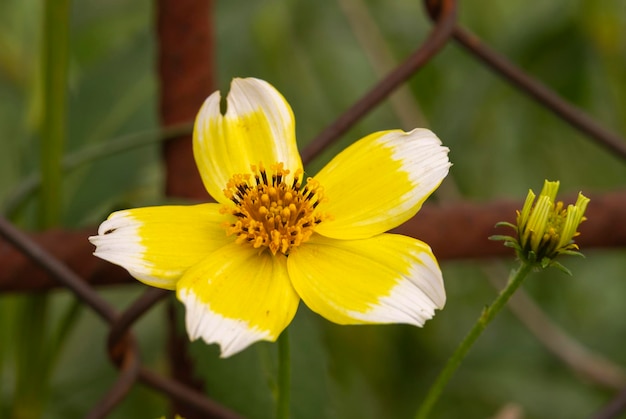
<point x="33" y="262"/>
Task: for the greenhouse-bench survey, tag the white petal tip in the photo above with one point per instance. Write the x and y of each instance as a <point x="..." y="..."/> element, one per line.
<point x="231" y="335"/>
<point x="415" y="297"/>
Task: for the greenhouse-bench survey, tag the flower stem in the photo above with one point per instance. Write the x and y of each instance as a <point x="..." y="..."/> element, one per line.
<point x="284" y="376"/>
<point x="54" y="61"/>
<point x="34" y="364"/>
<point x="516" y="277"/>
<point x="32" y="368"/>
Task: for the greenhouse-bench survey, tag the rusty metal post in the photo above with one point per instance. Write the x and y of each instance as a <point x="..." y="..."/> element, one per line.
<point x="185" y="66"/>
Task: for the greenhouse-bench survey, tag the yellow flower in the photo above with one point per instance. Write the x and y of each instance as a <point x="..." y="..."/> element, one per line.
<point x="545" y="228"/>
<point x="241" y="265"/>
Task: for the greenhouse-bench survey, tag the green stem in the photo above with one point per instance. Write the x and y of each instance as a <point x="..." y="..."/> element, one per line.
<point x="33" y="365"/>
<point x="54" y="61"/>
<point x="516" y="278"/>
<point x="284" y="376"/>
<point x="31" y="386"/>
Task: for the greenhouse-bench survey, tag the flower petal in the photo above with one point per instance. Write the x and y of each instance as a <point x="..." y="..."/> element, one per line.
<point x="237" y="296"/>
<point x="380" y="182"/>
<point x="384" y="279"/>
<point x="258" y="127"/>
<point x="158" y="244"/>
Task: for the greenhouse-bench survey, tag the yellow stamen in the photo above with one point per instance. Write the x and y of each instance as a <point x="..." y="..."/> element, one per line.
<point x="270" y="212"/>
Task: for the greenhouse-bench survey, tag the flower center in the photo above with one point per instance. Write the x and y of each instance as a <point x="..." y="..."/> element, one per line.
<point x="271" y="213"/>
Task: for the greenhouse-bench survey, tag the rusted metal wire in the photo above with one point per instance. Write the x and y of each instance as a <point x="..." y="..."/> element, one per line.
<point x="186" y="78"/>
<point x="542" y="94"/>
<point x="126" y="358"/>
<point x="19" y="274"/>
<point x="56" y="269"/>
<point x="532" y="87"/>
<point x="456" y="231"/>
<point x="124" y="351"/>
<point x="436" y="40"/>
<point x="614" y="408"/>
<point x="189" y="396"/>
<point x="122" y="347"/>
<point x="120" y="327"/>
<point x="185" y="370"/>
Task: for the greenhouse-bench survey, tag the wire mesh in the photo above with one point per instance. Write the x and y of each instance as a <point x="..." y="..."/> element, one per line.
<point x="182" y="96"/>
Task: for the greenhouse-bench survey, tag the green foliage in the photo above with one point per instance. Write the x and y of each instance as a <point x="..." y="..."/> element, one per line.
<point x="501" y="144"/>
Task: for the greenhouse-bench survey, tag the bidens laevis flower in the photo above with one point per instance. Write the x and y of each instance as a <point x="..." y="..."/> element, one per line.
<point x="241" y="265"/>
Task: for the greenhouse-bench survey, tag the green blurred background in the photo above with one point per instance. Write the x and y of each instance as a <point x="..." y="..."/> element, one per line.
<point x="317" y="55"/>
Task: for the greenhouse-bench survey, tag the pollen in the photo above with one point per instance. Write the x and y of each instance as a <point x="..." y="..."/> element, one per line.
<point x="273" y="210"/>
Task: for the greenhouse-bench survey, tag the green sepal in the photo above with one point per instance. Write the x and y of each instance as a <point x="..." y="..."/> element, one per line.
<point x="505" y="224"/>
<point x="501" y="237"/>
<point x="514" y="245"/>
<point x="572" y="253"/>
<point x="561" y="268"/>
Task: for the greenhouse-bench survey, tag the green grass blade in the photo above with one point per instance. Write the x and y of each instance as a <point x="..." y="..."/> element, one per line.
<point x="54" y="61"/>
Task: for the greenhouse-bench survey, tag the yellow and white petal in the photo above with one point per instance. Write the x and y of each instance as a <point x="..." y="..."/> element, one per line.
<point x="380" y="182"/>
<point x="384" y="279"/>
<point x="237" y="296"/>
<point x="258" y="127"/>
<point x="158" y="244"/>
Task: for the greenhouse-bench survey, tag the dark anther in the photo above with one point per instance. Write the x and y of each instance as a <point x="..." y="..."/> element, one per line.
<point x="241" y="188"/>
<point x="264" y="176"/>
<point x="239" y="214"/>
